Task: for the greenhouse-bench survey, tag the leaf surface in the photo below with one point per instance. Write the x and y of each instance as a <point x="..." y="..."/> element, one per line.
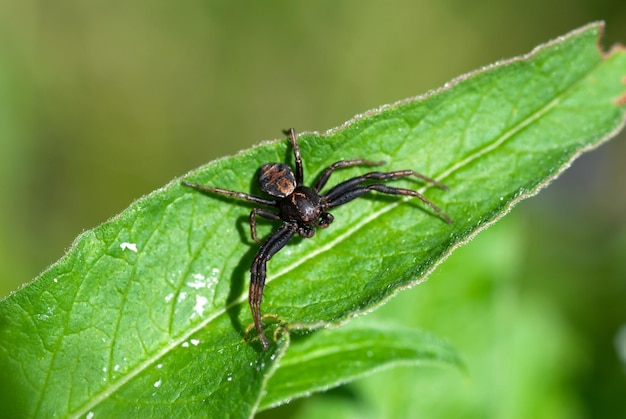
<point x="146" y="314"/>
<point x="335" y="356"/>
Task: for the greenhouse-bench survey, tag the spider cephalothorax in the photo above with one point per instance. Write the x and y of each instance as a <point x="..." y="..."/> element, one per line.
<point x="302" y="209"/>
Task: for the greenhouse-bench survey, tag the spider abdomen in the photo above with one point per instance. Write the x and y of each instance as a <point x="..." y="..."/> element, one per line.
<point x="277" y="179"/>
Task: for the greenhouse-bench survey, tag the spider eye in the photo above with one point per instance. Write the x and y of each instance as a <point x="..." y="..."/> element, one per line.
<point x="277" y="179"/>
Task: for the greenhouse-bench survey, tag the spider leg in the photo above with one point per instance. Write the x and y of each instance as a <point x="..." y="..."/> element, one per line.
<point x="234" y="194"/>
<point x="348" y="195"/>
<point x="383" y="176"/>
<point x="263" y="213"/>
<point x="296" y="154"/>
<point x="274" y="243"/>
<point x="321" y="182"/>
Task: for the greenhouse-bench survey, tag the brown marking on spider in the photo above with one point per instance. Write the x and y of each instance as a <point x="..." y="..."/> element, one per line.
<point x="277" y="179"/>
<point x="302" y="209"/>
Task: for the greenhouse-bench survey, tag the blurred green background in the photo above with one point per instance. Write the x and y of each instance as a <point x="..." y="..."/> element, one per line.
<point x="103" y="102"/>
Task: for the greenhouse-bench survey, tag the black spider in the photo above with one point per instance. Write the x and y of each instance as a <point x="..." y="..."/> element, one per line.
<point x="301" y="209"/>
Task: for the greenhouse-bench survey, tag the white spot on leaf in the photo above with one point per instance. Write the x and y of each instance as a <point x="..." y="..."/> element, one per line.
<point x="198" y="282"/>
<point x="198" y="309"/>
<point x="129" y="246"/>
<point x="201" y="281"/>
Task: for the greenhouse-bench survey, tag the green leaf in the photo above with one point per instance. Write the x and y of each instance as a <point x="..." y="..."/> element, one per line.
<point x="159" y="331"/>
<point x="335" y="356"/>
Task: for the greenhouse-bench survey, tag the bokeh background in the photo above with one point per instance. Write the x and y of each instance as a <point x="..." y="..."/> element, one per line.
<point x="102" y="102"/>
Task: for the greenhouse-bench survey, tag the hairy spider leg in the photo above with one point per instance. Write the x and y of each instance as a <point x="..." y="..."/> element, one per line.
<point x="389" y="190"/>
<point x="296" y="154"/>
<point x="240" y="195"/>
<point x="321" y="182"/>
<point x="352" y="189"/>
<point x="262" y="213"/>
<point x="384" y="176"/>
<point x="234" y="194"/>
<point x="274" y="243"/>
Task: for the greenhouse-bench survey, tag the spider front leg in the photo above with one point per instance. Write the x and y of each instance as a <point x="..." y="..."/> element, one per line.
<point x="351" y="194"/>
<point x="382" y="176"/>
<point x="352" y="189"/>
<point x="321" y="182"/>
<point x="274" y="243"/>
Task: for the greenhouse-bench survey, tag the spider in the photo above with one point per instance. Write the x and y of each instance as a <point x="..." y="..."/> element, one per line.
<point x="302" y="209"/>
